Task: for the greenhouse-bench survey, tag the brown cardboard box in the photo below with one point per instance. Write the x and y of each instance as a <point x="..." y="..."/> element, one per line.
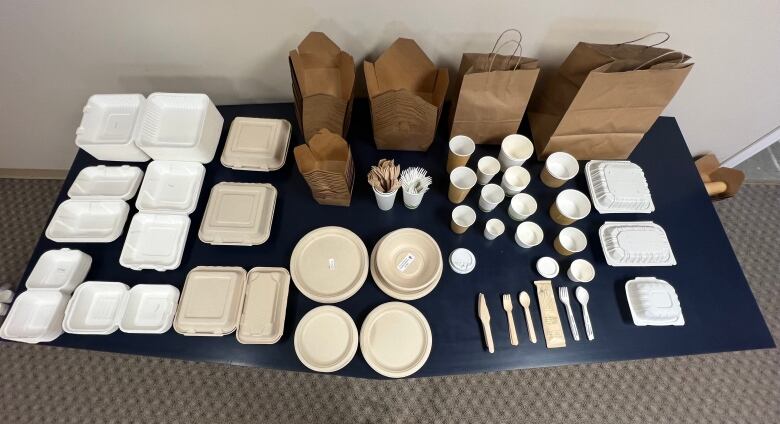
<point x="720" y="182"/>
<point x="326" y="165"/>
<point x="406" y="92"/>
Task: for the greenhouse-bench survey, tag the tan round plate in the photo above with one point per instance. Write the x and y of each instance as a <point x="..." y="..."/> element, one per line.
<point x="408" y="260"/>
<point x="326" y="339"/>
<point x="395" y="339"/>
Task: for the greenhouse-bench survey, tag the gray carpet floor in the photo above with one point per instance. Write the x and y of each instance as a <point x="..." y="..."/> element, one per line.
<point x="40" y="384"/>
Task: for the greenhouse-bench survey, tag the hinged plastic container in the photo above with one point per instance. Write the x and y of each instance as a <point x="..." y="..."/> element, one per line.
<point x="109" y="127"/>
<point x="88" y="221"/>
<point x="155" y="241"/>
<point x="264" y="307"/>
<point x="635" y="244"/>
<point x="210" y="301"/>
<point x="106" y="182"/>
<point x="618" y="187"/>
<point x="256" y="144"/>
<point x="177" y="126"/>
<point x="102" y="307"/>
<point x="171" y="187"/>
<point x="653" y="302"/>
<point x="60" y="270"/>
<point x="35" y="317"/>
<point x="238" y="214"/>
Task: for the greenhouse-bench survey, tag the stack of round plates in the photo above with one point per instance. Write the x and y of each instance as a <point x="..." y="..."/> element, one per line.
<point x="326" y="339"/>
<point x="395" y="339"/>
<point x="329" y="264"/>
<point x="406" y="264"/>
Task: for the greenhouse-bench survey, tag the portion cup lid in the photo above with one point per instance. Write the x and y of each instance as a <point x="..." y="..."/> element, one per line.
<point x="462" y="261"/>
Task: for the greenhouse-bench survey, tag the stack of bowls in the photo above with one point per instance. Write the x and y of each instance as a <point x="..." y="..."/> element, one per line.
<point x="406" y="264"/>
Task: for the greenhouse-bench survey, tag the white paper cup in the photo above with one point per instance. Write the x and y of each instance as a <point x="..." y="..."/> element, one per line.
<point x="515" y="150"/>
<point x="528" y="235"/>
<point x="494" y="228"/>
<point x="463" y="217"/>
<point x="522" y="206"/>
<point x="581" y="271"/>
<point x="570" y="206"/>
<point x="461" y="149"/>
<point x="412" y="200"/>
<point x="487" y="168"/>
<point x="570" y="241"/>
<point x="462" y="179"/>
<point x="385" y="200"/>
<point x="490" y="196"/>
<point x="515" y="180"/>
<point x="559" y="168"/>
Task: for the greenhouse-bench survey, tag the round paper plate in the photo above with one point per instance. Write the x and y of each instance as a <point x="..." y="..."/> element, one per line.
<point x="326" y="339"/>
<point x="408" y="260"/>
<point x="390" y="290"/>
<point x="329" y="264"/>
<point x="395" y="339"/>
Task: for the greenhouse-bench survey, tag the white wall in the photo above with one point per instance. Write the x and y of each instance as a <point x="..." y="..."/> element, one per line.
<point x="54" y="54"/>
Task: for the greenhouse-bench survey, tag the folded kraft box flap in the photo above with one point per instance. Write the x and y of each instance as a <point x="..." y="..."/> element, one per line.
<point x="323" y="81"/>
<point x="406" y="92"/>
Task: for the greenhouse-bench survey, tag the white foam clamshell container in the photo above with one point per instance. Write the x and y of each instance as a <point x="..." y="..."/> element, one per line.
<point x="171" y="187"/>
<point x="179" y="126"/>
<point x="238" y="214"/>
<point x="641" y="243"/>
<point x="102" y="307"/>
<point x="211" y="301"/>
<point x="106" y="182"/>
<point x="618" y="187"/>
<point x="155" y="241"/>
<point x="35" y="317"/>
<point x="61" y="270"/>
<point x="653" y="302"/>
<point x="264" y="307"/>
<point x="88" y="221"/>
<point x="110" y="126"/>
<point x="256" y="144"/>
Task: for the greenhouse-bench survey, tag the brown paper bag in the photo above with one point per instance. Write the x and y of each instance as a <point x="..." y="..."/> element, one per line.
<point x="493" y="93"/>
<point x="604" y="98"/>
<point x="326" y="165"/>
<point x="406" y="93"/>
<point x="323" y="81"/>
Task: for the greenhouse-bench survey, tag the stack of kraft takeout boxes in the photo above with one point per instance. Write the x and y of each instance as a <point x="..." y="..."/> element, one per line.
<point x="326" y="164"/>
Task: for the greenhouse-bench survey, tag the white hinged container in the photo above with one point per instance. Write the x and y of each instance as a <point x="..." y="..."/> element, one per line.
<point x="155" y="241"/>
<point x="109" y="127"/>
<point x="171" y="187"/>
<point x="36" y="316"/>
<point x="88" y="221"/>
<point x="653" y="302"/>
<point x="618" y="186"/>
<point x="60" y="270"/>
<point x="106" y="182"/>
<point x="635" y="244"/>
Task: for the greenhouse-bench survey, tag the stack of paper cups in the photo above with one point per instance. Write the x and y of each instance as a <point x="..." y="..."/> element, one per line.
<point x="515" y="150"/>
<point x="461" y="148"/>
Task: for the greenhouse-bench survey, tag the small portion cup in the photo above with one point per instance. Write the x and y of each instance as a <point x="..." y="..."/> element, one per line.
<point x="528" y="235"/>
<point x="522" y="206"/>
<point x="461" y="149"/>
<point x="385" y="200"/>
<point x="494" y="228"/>
<point x="559" y="168"/>
<point x="581" y="271"/>
<point x="570" y="241"/>
<point x="487" y="168"/>
<point x="515" y="180"/>
<point x="515" y="150"/>
<point x="462" y="179"/>
<point x="569" y="206"/>
<point x="463" y="217"/>
<point x="490" y="196"/>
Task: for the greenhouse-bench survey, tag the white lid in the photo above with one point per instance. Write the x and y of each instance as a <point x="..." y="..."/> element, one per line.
<point x="35" y="317"/>
<point x="264" y="306"/>
<point x="211" y="301"/>
<point x="238" y="214"/>
<point x="173" y="120"/>
<point x="256" y="144"/>
<point x="155" y="241"/>
<point x="462" y="261"/>
<point x="110" y="119"/>
<point x="171" y="187"/>
<point x="95" y="308"/>
<point x="653" y="302"/>
<point x="62" y="269"/>
<point x="618" y="187"/>
<point x="395" y="339"/>
<point x="88" y="221"/>
<point x="106" y="182"/>
<point x="326" y="339"/>
<point x="547" y="267"/>
<point x="150" y="309"/>
<point x="635" y="244"/>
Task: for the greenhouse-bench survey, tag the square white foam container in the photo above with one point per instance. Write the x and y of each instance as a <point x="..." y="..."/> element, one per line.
<point x="102" y="307"/>
<point x="171" y="187"/>
<point x="155" y="241"/>
<point x="109" y="127"/>
<point x="36" y="316"/>
<point x="106" y="182"/>
<point x="238" y="214"/>
<point x="645" y="240"/>
<point x="60" y="270"/>
<point x="264" y="306"/>
<point x="660" y="300"/>
<point x="180" y="126"/>
<point x="88" y="221"/>
<point x="256" y="144"/>
<point x="618" y="187"/>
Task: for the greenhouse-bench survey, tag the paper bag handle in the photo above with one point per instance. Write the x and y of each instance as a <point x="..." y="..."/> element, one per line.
<point x="519" y="34"/>
<point x="495" y="53"/>
<point x="682" y="58"/>
<point x="649" y="35"/>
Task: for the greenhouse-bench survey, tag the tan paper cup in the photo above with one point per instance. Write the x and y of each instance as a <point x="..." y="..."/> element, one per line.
<point x="515" y="180"/>
<point x="570" y="241"/>
<point x="559" y="168"/>
<point x="570" y="206"/>
<point x="463" y="217"/>
<point x="522" y="206"/>
<point x="490" y="196"/>
<point x="462" y="179"/>
<point x="515" y="150"/>
<point x="581" y="271"/>
<point x="528" y="235"/>
<point x="487" y="168"/>
<point x="461" y="149"/>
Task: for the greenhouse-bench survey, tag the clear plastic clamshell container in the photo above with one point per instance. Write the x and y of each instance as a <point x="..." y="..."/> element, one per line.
<point x="36" y="316"/>
<point x="60" y="270"/>
<point x="264" y="306"/>
<point x="155" y="241"/>
<point x="238" y="214"/>
<point x="618" y="187"/>
<point x="110" y="126"/>
<point x="210" y="301"/>
<point x="106" y="182"/>
<point x="88" y="221"/>
<point x="653" y="302"/>
<point x="171" y="187"/>
<point x="635" y="244"/>
<point x="256" y="144"/>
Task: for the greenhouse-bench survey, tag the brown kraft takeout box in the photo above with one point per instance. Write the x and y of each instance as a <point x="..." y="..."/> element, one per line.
<point x="406" y="91"/>
<point x="327" y="166"/>
<point x="323" y="81"/>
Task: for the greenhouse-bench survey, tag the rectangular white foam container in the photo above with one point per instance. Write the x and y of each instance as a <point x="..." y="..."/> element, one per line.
<point x="155" y="241"/>
<point x="618" y="186"/>
<point x="641" y="243"/>
<point x="171" y="187"/>
<point x="88" y="221"/>
<point x="36" y="316"/>
<point x="60" y="270"/>
<point x="653" y="302"/>
<point x="109" y="127"/>
<point x="106" y="182"/>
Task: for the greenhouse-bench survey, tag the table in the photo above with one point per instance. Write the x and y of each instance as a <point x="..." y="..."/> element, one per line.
<point x="720" y="311"/>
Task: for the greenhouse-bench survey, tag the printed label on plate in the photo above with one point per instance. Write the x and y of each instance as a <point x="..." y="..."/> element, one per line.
<point x="405" y="262"/>
<point x="331" y="264"/>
